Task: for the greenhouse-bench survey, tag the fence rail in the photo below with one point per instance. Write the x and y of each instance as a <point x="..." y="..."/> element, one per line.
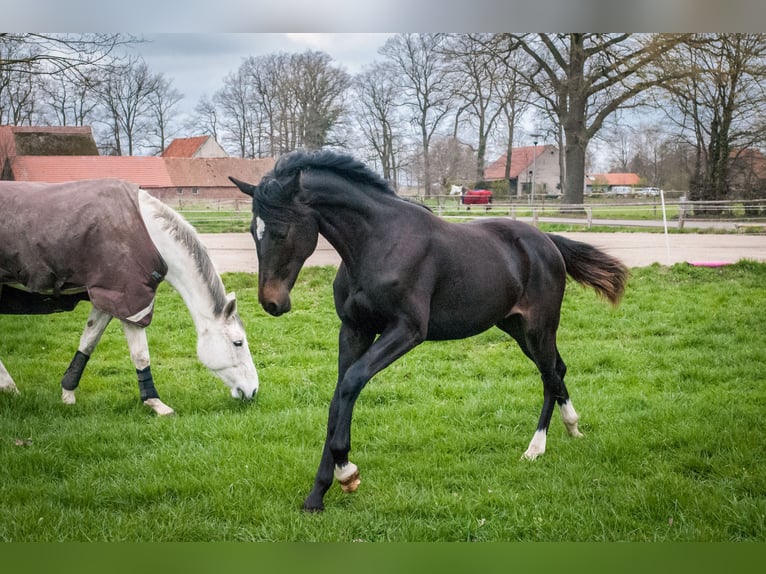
<point x="618" y="212"/>
<point x="749" y="215"/>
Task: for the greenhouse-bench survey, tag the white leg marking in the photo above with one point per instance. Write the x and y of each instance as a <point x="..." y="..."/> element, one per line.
<point x="569" y="415"/>
<point x="347" y="476"/>
<point x="67" y="397"/>
<point x="536" y="445"/>
<point x="94" y="328"/>
<point x="137" y="344"/>
<point x="6" y="381"/>
<point x="159" y="407"/>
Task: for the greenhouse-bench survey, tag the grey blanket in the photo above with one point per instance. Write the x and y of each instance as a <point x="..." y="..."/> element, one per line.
<point x="87" y="236"/>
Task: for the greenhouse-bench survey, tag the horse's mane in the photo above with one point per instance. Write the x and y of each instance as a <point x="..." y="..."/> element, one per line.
<point x="279" y="185"/>
<point x="343" y="165"/>
<point x="187" y="237"/>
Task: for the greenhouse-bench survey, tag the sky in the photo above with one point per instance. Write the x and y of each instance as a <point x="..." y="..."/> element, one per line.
<point x="382" y="15"/>
<point x="197" y="63"/>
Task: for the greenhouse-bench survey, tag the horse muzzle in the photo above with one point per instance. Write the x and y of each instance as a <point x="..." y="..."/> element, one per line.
<point x="275" y="302"/>
<point x="244" y="394"/>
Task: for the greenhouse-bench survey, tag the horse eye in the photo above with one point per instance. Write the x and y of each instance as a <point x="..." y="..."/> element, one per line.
<point x="237" y="343"/>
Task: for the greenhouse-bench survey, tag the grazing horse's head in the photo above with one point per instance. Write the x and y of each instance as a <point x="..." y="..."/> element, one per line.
<point x="285" y="233"/>
<point x="222" y="347"/>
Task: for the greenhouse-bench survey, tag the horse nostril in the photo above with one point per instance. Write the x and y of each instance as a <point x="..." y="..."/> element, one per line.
<point x="271" y="308"/>
<point x="275" y="309"/>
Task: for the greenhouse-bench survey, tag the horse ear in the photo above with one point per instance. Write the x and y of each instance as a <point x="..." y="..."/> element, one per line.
<point x="247" y="188"/>
<point x="231" y="305"/>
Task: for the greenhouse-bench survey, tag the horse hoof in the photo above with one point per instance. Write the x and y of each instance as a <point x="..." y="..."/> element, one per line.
<point x="308" y="507"/>
<point x="159" y="407"/>
<point x="351" y="484"/>
<point x="348" y="477"/>
<point x="67" y="397"/>
<point x="531" y="454"/>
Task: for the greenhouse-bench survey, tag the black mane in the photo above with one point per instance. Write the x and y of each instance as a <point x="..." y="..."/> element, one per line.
<point x="343" y="165"/>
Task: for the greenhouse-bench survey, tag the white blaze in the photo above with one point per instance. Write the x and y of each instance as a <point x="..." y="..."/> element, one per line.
<point x="260" y="228"/>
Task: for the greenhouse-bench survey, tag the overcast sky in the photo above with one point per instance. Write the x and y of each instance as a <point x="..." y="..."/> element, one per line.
<point x="198" y="63"/>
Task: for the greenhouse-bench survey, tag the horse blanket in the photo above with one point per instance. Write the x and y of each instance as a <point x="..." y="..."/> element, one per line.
<point x="62" y="243"/>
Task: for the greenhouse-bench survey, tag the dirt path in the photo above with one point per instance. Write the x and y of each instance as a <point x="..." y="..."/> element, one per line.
<point x="236" y="251"/>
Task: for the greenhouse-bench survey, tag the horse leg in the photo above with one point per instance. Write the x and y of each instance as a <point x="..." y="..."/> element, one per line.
<point x="540" y="347"/>
<point x="394" y="342"/>
<point x="6" y="381"/>
<point x="139" y="354"/>
<point x="91" y="335"/>
<point x="352" y="344"/>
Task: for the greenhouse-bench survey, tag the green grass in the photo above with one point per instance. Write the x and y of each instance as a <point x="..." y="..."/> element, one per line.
<point x="669" y="387"/>
<point x="211" y="220"/>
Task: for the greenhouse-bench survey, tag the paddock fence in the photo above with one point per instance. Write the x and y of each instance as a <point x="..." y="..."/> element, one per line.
<point x="740" y="215"/>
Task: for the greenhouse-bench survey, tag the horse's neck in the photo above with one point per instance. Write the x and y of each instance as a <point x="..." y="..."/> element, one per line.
<point x="183" y="273"/>
<point x="349" y="225"/>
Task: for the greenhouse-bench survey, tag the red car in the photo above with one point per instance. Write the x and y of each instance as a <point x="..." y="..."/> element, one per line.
<point x="476" y="197"/>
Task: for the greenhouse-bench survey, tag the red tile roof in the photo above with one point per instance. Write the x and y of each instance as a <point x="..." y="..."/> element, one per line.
<point x="215" y="172"/>
<point x="148" y="172"/>
<point x="521" y="159"/>
<point x="614" y="179"/>
<point x="184" y="147"/>
<point x="144" y="171"/>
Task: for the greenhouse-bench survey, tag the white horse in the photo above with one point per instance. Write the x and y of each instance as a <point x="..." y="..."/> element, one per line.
<point x="221" y="339"/>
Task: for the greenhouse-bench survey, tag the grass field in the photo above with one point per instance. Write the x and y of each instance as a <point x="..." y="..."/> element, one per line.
<point x="669" y="387"/>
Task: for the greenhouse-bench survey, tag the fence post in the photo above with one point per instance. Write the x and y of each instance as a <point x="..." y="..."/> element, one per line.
<point x="681" y="212"/>
<point x="534" y="216"/>
<point x="513" y="211"/>
<point x="589" y="212"/>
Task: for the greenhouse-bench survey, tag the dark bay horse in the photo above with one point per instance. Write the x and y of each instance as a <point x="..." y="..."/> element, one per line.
<point x="408" y="276"/>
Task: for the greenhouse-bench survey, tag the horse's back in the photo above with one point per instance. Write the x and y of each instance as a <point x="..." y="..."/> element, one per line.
<point x="85" y="234"/>
<point x="489" y="270"/>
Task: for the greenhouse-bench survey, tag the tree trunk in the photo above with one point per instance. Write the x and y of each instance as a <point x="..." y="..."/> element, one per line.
<point x="571" y="110"/>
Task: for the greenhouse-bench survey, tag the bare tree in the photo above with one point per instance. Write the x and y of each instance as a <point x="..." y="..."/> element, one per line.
<point x="125" y="94"/>
<point x="477" y="77"/>
<point x="377" y="113"/>
<point x="319" y="89"/>
<point x="17" y="97"/>
<point x="425" y="86"/>
<point x="454" y="161"/>
<point x="49" y="54"/>
<point x="70" y="102"/>
<point x="162" y="105"/>
<point x="205" y="119"/>
<point x="721" y="98"/>
<point x="277" y="103"/>
<point x="584" y="78"/>
<point x="237" y="113"/>
<point x="266" y="75"/>
<point x="514" y="95"/>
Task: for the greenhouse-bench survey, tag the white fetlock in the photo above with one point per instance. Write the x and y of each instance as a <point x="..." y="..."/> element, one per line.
<point x="570" y="418"/>
<point x="536" y="446"/>
<point x="67" y="397"/>
<point x="159" y="407"/>
<point x="348" y="476"/>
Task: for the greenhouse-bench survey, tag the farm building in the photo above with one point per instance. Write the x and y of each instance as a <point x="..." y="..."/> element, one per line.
<point x="195" y="169"/>
<point x="538" y="164"/>
<point x="620" y="183"/>
<point x="194" y="147"/>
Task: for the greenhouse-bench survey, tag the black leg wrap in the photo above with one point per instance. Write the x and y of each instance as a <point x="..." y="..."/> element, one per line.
<point x="146" y="384"/>
<point x="74" y="371"/>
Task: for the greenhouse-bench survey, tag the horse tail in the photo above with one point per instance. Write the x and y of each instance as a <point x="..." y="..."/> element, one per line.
<point x="590" y="266"/>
